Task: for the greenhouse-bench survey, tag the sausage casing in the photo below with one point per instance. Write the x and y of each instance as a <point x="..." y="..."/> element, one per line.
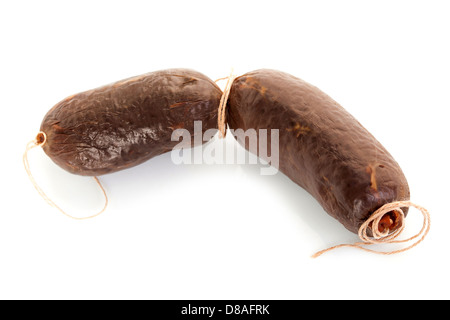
<point x="123" y="124"/>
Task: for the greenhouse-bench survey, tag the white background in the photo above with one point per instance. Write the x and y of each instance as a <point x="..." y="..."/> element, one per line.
<point x="222" y="231"/>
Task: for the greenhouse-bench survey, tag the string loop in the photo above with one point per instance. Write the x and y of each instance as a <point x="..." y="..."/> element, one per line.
<point x="39" y="141"/>
<point x="378" y="237"/>
<point x="221" y="116"/>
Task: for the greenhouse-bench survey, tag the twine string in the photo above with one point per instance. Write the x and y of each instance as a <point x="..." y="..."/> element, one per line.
<point x="39" y="141"/>
<point x="372" y="223"/>
<point x="386" y="237"/>
<point x="221" y="117"/>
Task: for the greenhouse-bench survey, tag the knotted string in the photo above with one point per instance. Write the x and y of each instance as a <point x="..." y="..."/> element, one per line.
<point x="371" y="223"/>
<point x="221" y="117"/>
<point x="385" y="237"/>
<point x="39" y="141"/>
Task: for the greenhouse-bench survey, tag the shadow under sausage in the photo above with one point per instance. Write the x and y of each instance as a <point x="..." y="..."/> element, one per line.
<point x="302" y="205"/>
<point x="158" y="175"/>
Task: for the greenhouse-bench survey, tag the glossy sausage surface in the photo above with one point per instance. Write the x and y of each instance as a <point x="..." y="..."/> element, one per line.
<point x="123" y="124"/>
<point x="322" y="147"/>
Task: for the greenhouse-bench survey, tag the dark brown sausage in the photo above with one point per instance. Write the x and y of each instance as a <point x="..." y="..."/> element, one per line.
<point x="322" y="147"/>
<point x="128" y="122"/>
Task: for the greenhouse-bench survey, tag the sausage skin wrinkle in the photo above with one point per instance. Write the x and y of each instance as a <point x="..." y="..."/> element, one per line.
<point x="123" y="124"/>
<point x="322" y="147"/>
